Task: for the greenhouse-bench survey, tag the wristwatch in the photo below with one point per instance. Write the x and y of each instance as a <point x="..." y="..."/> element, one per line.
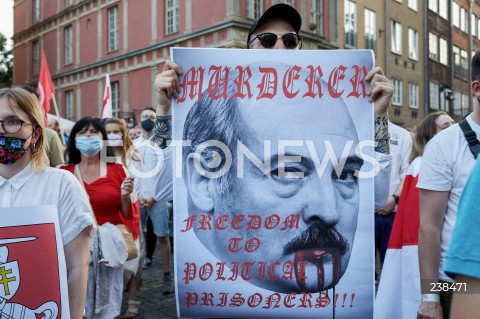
<point x="396" y="197"/>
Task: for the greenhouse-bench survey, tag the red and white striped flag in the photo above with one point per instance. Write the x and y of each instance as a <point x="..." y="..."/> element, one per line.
<point x="107" y="100"/>
<point x="398" y="294"/>
<point x="45" y="86"/>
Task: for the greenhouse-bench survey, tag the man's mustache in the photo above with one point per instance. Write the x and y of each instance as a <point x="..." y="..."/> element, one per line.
<point x="317" y="236"/>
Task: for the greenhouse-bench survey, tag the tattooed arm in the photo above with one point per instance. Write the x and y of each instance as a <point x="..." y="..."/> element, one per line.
<point x="381" y="134"/>
<point x="166" y="86"/>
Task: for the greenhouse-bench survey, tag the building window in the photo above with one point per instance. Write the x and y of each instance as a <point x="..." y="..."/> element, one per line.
<point x="434" y="95"/>
<point x="443" y="9"/>
<point x="413" y="44"/>
<point x="316" y="15"/>
<point x="290" y="2"/>
<point x="350" y="23"/>
<point x="463" y="20"/>
<point x="457" y="103"/>
<point x="413" y="92"/>
<point x="465" y="106"/>
<point x="113" y="29"/>
<point x="396" y="37"/>
<point x="456" y="14"/>
<point x="36" y="11"/>
<point x="464" y="64"/>
<point x="413" y="4"/>
<point x="433" y="5"/>
<point x="413" y="95"/>
<point x="397" y="93"/>
<point x="370" y="30"/>
<point x="474" y="25"/>
<point x="432" y="46"/>
<point x="172" y="16"/>
<point x="443" y="52"/>
<point x="69" y="104"/>
<point x="254" y="9"/>
<point x="478" y="28"/>
<point x="36" y="57"/>
<point x="68" y="45"/>
<point x="68" y="3"/>
<point x="457" y="65"/>
<point x="115" y="98"/>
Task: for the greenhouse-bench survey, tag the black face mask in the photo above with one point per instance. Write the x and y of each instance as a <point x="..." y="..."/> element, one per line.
<point x="148" y="125"/>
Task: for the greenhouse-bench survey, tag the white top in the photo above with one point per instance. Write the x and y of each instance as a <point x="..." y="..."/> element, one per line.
<point x="50" y="187"/>
<point x="400" y="148"/>
<point x="446" y="165"/>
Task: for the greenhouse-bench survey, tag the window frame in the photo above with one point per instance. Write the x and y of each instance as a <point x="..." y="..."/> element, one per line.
<point x="113" y="37"/>
<point x="350" y="36"/>
<point x="68" y="45"/>
<point x="396" y="35"/>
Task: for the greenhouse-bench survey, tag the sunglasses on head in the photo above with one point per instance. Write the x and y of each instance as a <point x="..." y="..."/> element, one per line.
<point x="268" y="40"/>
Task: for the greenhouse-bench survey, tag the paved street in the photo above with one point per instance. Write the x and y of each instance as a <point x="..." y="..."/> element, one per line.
<point x="154" y="304"/>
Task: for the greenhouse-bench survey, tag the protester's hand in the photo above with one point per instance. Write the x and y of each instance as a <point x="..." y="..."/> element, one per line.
<point x="380" y="91"/>
<point x="146" y="202"/>
<point x="167" y="86"/>
<point x="430" y="310"/>
<point x="127" y="186"/>
<point x="388" y="208"/>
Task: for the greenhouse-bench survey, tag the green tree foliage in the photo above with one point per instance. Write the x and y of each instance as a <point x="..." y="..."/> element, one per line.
<point x="6" y="63"/>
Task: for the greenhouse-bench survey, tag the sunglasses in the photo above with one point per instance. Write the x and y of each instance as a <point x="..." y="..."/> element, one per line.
<point x="268" y="40"/>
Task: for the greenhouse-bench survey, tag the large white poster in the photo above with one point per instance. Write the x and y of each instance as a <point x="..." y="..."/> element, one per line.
<point x="33" y="275"/>
<point x="273" y="190"/>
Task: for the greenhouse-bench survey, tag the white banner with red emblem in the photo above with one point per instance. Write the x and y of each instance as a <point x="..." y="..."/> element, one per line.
<point x="273" y="188"/>
<point x="33" y="275"/>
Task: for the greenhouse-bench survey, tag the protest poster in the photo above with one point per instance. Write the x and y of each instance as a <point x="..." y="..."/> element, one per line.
<point x="273" y="187"/>
<point x="33" y="276"/>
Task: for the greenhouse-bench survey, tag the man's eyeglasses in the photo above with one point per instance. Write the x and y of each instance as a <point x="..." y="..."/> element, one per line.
<point x="268" y="40"/>
<point x="12" y="126"/>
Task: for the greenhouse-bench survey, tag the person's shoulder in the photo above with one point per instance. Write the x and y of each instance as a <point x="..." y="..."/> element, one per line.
<point x="62" y="174"/>
<point x="67" y="167"/>
<point x="116" y="169"/>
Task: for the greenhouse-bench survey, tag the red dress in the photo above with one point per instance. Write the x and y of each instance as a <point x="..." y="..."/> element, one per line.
<point x="106" y="198"/>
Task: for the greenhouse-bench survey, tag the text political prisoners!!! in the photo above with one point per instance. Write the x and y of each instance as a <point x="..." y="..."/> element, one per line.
<point x="249" y="271"/>
<point x="271" y="80"/>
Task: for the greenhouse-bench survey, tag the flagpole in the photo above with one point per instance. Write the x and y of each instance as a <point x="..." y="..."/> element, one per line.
<point x="58" y="118"/>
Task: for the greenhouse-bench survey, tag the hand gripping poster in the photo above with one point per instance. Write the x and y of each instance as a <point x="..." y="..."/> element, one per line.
<point x="33" y="277"/>
<point x="273" y="187"/>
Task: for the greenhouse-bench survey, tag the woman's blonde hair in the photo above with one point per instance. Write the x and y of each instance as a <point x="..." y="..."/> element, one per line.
<point x="28" y="103"/>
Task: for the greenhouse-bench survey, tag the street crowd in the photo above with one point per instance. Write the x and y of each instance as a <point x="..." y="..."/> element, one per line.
<point x="425" y="210"/>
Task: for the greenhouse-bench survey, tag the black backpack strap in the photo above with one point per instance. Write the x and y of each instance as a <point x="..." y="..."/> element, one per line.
<point x="471" y="137"/>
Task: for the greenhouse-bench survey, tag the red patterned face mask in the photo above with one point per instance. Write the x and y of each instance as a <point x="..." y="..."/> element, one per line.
<point x="12" y="149"/>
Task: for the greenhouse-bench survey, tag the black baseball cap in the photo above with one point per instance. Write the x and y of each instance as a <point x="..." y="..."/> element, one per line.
<point x="280" y="11"/>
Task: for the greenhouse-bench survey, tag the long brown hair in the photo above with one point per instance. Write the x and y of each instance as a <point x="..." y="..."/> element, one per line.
<point x="127" y="143"/>
<point x="28" y="103"/>
<point x="426" y="131"/>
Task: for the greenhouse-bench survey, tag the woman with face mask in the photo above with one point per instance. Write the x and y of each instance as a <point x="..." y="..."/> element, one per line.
<point x="26" y="180"/>
<point x="109" y="190"/>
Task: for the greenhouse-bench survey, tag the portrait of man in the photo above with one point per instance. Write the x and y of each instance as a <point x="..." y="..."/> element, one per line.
<point x="326" y="203"/>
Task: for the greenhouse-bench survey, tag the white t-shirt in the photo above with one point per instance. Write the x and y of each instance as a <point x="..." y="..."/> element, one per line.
<point x="50" y="187"/>
<point x="446" y="165"/>
<point x="400" y="148"/>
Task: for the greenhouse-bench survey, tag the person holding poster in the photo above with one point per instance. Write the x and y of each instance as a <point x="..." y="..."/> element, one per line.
<point x="327" y="220"/>
<point x="26" y="180"/>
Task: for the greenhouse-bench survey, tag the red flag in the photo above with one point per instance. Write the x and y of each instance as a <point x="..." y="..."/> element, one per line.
<point x="45" y="86"/>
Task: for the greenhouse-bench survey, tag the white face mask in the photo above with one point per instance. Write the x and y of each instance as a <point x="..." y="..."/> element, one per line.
<point x="115" y="139"/>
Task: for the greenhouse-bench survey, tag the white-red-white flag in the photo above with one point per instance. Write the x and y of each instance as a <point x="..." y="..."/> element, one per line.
<point x="107" y="100"/>
<point x="398" y="294"/>
<point x="45" y="86"/>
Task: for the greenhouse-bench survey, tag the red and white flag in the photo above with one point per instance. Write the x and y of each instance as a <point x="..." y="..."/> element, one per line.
<point x="398" y="294"/>
<point x="107" y="100"/>
<point x="45" y="86"/>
